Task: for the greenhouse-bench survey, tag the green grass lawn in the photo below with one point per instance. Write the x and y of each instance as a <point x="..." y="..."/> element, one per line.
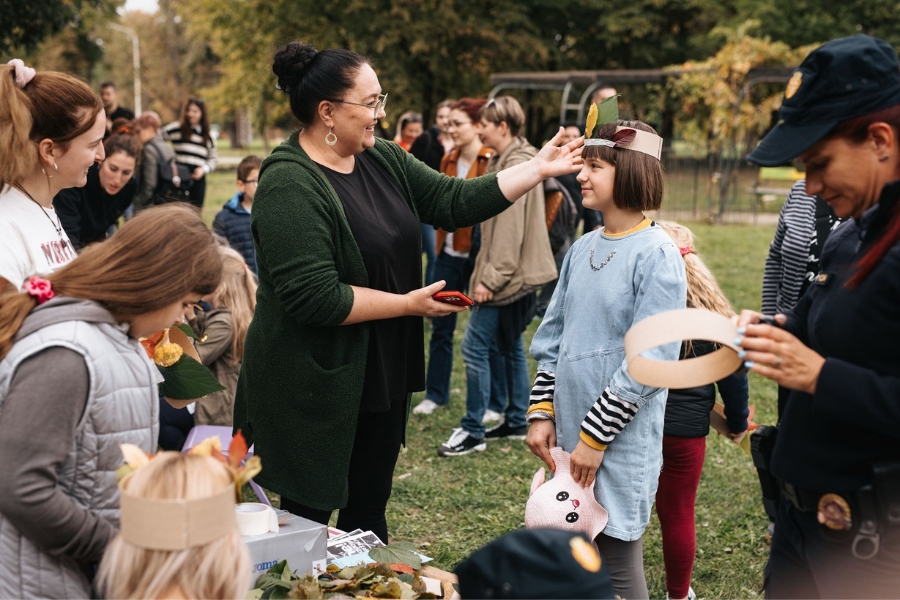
<point x="452" y="506"/>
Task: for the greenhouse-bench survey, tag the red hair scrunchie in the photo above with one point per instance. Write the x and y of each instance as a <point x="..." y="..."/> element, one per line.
<point x="39" y="288"/>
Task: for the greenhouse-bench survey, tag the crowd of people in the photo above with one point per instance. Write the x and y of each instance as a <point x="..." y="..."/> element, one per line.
<point x="308" y="299"/>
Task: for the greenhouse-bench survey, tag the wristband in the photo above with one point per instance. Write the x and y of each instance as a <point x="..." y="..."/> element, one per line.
<point x="676" y="326"/>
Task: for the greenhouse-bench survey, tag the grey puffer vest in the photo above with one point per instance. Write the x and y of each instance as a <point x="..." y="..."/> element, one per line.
<point x="122" y="407"/>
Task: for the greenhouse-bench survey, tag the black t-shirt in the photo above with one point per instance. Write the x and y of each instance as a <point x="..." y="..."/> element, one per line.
<point x="388" y="235"/>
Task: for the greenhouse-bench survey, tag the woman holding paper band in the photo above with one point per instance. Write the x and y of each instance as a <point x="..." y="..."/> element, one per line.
<point x="837" y="453"/>
<point x="583" y="398"/>
<point x="336" y="345"/>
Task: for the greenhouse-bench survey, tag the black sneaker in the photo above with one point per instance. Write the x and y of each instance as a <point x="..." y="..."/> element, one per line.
<point x="504" y="432"/>
<point x="460" y="443"/>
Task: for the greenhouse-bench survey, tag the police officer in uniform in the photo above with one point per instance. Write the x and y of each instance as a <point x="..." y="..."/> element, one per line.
<point x="836" y="458"/>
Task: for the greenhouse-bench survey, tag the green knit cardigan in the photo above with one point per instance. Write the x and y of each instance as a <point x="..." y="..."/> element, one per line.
<point x="302" y="375"/>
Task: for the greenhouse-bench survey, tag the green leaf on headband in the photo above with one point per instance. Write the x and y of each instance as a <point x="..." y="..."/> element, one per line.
<point x="609" y="111"/>
<point x="187" y="380"/>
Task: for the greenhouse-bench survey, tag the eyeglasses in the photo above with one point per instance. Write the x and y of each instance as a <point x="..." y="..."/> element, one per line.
<point x="377" y="106"/>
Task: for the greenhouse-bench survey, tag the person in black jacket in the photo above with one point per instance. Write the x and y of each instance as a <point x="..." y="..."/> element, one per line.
<point x="836" y="457"/>
<point x="687" y="423"/>
<point x="87" y="213"/>
<point x="233" y="221"/>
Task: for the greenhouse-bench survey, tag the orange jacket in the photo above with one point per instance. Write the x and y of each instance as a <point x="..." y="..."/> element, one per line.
<point x="462" y="237"/>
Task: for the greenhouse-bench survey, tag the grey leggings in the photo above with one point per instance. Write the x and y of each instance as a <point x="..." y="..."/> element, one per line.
<point x="625" y="562"/>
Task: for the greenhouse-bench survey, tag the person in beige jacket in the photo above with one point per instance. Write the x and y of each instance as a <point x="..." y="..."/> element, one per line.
<point x="513" y="262"/>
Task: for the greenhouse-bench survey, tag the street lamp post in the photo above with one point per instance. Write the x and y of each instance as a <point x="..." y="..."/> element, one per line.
<point x="136" y="59"/>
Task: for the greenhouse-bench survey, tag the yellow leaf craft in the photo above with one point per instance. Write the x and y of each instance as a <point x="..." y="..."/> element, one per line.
<point x="591" y="122"/>
<point x="166" y="355"/>
<point x="206" y="447"/>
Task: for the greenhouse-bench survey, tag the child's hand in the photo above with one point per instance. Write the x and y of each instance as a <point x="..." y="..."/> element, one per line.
<point x="584" y="464"/>
<point x="737" y="437"/>
<point x="541" y="437"/>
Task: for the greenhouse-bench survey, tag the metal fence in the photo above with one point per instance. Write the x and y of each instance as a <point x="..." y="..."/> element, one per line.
<point x="716" y="189"/>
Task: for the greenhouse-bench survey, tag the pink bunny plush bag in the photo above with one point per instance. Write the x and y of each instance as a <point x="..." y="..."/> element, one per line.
<point x="563" y="504"/>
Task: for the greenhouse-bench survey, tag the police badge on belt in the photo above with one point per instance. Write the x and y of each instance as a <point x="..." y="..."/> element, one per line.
<point x="834" y="513"/>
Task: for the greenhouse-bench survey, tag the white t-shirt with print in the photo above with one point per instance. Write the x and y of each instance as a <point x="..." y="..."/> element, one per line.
<point x="29" y="243"/>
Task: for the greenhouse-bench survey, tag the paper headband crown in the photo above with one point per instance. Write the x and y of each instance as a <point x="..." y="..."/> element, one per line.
<point x="157" y="524"/>
<point x="675" y="326"/>
<point x="607" y="113"/>
<point x="176" y="524"/>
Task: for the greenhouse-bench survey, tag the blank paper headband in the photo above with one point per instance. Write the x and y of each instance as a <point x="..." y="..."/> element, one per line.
<point x="607" y="113"/>
<point x="676" y="326"/>
<point x="176" y="524"/>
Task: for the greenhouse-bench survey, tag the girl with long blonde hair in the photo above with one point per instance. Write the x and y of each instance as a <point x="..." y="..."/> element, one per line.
<point x="220" y="568"/>
<point x="687" y="425"/>
<point x="223" y="331"/>
<point x="75" y="383"/>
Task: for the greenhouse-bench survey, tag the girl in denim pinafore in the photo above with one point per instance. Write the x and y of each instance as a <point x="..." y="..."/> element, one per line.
<point x="583" y="397"/>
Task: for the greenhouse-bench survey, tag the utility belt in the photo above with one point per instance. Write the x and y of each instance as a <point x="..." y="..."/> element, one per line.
<point x="866" y="517"/>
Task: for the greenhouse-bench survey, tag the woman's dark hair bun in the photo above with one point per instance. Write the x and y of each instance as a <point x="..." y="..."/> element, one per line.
<point x="292" y="63"/>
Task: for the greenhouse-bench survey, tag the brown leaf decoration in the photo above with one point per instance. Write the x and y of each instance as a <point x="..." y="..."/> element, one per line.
<point x="623" y="137"/>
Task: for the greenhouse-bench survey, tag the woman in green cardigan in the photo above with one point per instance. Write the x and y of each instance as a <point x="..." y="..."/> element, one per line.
<point x="336" y="345"/>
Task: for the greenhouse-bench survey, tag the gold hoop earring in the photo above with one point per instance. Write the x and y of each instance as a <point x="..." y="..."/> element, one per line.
<point x="55" y="171"/>
<point x="330" y="138"/>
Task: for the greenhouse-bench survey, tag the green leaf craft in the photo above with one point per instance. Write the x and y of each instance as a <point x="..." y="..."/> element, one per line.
<point x="608" y="111"/>
<point x="398" y="552"/>
<point x="187" y="379"/>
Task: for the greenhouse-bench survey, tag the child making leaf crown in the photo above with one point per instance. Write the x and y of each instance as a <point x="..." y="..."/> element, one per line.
<point x="583" y="398"/>
<point x="687" y="424"/>
<point x="223" y="330"/>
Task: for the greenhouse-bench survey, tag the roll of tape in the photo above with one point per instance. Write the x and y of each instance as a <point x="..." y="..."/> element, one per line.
<point x="254" y="518"/>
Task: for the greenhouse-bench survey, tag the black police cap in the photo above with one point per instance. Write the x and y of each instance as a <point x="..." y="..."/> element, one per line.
<point x="840" y="80"/>
<point x="535" y="563"/>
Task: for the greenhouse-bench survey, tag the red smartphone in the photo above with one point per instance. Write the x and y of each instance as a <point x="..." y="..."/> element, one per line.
<point x="453" y="298"/>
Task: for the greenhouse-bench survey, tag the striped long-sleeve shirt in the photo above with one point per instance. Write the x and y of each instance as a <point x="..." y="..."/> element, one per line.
<point x="194" y="151"/>
<point x="607" y="418"/>
<point x="789" y="253"/>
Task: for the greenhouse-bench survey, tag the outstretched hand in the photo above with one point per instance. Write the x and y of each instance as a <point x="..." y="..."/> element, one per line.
<point x="554" y="160"/>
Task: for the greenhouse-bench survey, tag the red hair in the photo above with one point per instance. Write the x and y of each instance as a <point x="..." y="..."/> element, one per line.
<point x="857" y="131"/>
<point x="470" y="106"/>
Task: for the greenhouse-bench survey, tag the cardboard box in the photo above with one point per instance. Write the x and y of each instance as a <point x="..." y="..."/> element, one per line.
<point x="299" y="541"/>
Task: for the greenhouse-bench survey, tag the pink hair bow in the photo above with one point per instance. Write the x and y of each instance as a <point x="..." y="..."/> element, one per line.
<point x="685" y="250"/>
<point x="23" y="74"/>
<point x="39" y="288"/>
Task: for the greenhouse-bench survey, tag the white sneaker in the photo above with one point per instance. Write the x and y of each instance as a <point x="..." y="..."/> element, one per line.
<point x="426" y="407"/>
<point x="691" y="595"/>
<point x="490" y="416"/>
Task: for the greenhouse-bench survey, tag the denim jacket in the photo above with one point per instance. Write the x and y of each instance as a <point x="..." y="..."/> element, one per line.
<point x="581" y="340"/>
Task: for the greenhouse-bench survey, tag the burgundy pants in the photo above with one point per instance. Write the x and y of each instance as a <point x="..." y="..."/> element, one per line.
<point x="675" y="500"/>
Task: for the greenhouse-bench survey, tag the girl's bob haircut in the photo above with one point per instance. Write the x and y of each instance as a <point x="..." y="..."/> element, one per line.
<point x="638" y="183"/>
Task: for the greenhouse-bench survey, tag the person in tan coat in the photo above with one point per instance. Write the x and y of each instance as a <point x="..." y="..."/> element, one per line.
<point x="514" y="261"/>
